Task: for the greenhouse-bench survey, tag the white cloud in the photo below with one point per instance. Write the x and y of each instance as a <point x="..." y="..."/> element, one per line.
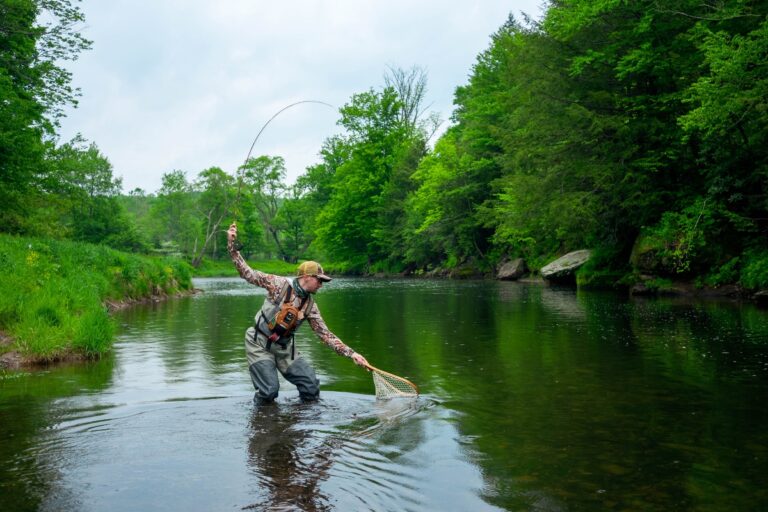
<point x="187" y="84"/>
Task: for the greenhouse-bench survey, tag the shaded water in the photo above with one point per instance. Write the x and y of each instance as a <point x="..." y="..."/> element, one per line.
<point x="534" y="398"/>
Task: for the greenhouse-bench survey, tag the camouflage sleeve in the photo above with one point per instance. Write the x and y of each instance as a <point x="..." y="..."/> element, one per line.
<point x="269" y="282"/>
<point x="317" y="324"/>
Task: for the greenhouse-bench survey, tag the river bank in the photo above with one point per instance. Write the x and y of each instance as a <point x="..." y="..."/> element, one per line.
<point x="642" y="277"/>
<point x="635" y="284"/>
<point x="12" y="359"/>
<point x="56" y="296"/>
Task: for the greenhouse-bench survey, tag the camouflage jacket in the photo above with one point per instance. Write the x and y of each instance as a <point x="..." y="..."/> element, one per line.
<point x="273" y="284"/>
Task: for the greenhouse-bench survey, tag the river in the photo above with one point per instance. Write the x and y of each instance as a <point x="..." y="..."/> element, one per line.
<point x="533" y="398"/>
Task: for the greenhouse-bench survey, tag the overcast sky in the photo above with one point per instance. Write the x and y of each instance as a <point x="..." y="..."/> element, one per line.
<point x="187" y="84"/>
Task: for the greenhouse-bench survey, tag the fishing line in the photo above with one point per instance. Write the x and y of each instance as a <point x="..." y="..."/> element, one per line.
<point x="248" y="157"/>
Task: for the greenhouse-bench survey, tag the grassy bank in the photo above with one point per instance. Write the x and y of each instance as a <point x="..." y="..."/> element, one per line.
<point x="225" y="268"/>
<point x="53" y="294"/>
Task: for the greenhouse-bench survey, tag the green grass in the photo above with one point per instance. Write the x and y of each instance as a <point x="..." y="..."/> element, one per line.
<point x="52" y="293"/>
<point x="225" y="268"/>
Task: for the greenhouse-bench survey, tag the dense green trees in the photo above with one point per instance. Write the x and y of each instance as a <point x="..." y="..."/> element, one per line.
<point x="604" y="124"/>
<point x="34" y="89"/>
<point x="618" y="126"/>
<point x="349" y="225"/>
<point x="78" y="197"/>
<point x="47" y="189"/>
<point x="361" y="188"/>
<point x="606" y="121"/>
<point x="215" y="188"/>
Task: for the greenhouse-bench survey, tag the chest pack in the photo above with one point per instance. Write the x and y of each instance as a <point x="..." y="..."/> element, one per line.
<point x="279" y="320"/>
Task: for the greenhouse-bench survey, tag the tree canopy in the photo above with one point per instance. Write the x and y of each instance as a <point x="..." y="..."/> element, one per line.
<point x="605" y="125"/>
<point x="35" y="88"/>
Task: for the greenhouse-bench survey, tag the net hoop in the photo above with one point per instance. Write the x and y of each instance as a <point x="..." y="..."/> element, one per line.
<point x="389" y="385"/>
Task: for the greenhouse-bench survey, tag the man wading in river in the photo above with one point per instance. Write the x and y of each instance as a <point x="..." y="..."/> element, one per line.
<point x="269" y="344"/>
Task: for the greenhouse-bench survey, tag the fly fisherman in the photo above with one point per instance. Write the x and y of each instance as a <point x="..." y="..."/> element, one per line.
<point x="269" y="344"/>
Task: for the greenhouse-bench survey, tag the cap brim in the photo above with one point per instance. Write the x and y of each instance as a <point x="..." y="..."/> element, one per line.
<point x="323" y="278"/>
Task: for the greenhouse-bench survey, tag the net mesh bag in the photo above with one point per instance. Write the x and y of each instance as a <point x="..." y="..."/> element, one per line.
<point x="390" y="386"/>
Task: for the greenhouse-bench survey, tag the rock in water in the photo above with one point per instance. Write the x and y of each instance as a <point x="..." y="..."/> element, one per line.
<point x="564" y="268"/>
<point x="512" y="270"/>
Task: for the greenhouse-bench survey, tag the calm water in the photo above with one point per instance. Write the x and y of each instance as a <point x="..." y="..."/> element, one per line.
<point x="533" y="399"/>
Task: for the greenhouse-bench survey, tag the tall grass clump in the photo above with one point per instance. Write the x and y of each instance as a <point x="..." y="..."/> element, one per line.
<point x="53" y="293"/>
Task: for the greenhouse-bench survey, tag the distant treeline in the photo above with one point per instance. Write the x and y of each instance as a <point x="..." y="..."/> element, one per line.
<point x="607" y="125"/>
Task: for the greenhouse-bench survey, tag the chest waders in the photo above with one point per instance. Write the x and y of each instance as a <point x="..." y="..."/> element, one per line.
<point x="278" y="320"/>
<point x="265" y="361"/>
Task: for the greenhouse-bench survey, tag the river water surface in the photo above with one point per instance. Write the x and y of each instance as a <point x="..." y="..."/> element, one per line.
<point x="533" y="398"/>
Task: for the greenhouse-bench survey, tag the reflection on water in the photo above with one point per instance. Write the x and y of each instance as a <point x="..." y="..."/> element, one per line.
<point x="535" y="398"/>
<point x="286" y="462"/>
<point x="293" y="452"/>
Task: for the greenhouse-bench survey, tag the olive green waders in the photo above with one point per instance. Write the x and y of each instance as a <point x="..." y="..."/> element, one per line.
<point x="263" y="365"/>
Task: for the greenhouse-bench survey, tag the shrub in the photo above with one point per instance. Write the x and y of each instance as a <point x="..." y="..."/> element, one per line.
<point x="701" y="236"/>
<point x="727" y="273"/>
<point x="754" y="272"/>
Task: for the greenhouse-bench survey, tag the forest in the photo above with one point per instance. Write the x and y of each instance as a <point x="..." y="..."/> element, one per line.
<point x="638" y="130"/>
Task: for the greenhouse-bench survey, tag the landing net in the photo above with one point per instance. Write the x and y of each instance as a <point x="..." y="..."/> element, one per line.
<point x="390" y="386"/>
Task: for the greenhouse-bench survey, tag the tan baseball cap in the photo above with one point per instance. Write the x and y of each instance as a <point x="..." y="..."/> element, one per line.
<point x="312" y="268"/>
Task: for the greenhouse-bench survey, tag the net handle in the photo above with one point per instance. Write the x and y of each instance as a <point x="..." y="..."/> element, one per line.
<point x="372" y="368"/>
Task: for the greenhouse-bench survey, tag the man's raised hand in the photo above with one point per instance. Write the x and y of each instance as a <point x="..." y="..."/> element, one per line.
<point x="232" y="232"/>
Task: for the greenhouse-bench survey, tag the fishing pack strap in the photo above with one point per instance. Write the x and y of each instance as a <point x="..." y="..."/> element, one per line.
<point x="287" y="318"/>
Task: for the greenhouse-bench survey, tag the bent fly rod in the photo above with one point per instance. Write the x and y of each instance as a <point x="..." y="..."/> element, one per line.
<point x="248" y="157"/>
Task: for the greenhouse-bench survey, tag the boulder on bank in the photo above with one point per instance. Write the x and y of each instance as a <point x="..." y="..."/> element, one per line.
<point x="565" y="267"/>
<point x="512" y="270"/>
